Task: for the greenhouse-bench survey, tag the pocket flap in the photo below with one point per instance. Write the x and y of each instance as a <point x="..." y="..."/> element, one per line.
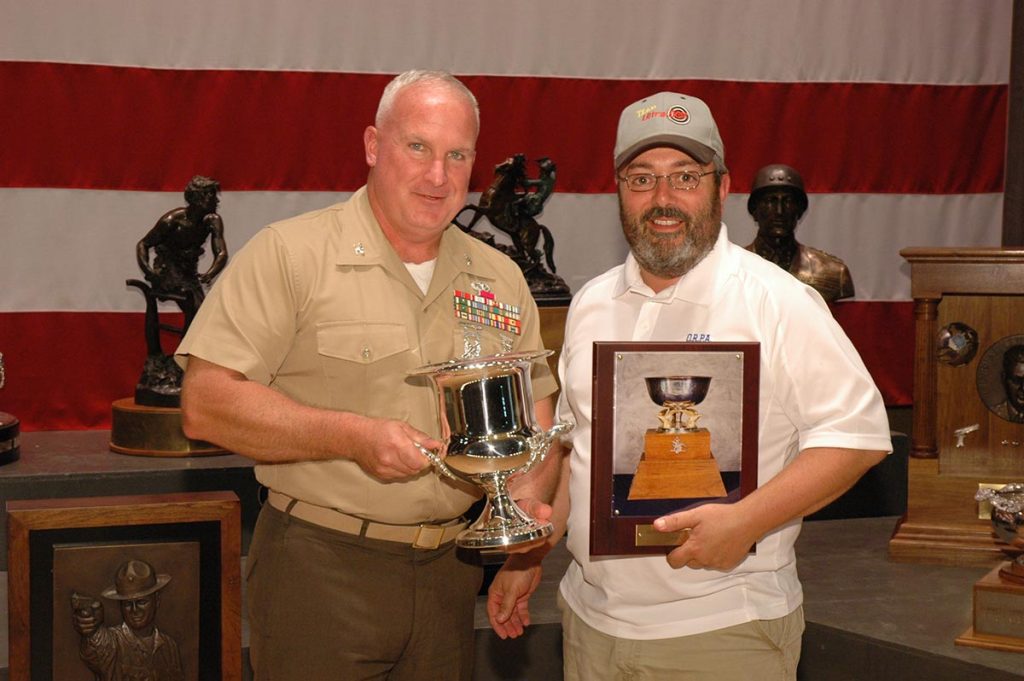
<point x="362" y="342"/>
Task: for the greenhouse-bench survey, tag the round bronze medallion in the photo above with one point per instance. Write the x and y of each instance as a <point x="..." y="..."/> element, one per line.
<point x="1001" y="389"/>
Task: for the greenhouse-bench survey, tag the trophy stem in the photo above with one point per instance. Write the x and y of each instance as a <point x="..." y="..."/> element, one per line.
<point x="502" y="523"/>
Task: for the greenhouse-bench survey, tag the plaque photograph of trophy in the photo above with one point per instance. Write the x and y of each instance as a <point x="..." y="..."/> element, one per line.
<point x="485" y="407"/>
<point x="675" y="425"/>
<point x="677" y="459"/>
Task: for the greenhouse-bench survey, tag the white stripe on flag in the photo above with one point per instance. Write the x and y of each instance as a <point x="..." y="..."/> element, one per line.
<point x="910" y="41"/>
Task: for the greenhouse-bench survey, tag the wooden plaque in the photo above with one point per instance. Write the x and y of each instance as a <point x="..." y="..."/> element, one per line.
<point x="56" y="547"/>
<point x="630" y="488"/>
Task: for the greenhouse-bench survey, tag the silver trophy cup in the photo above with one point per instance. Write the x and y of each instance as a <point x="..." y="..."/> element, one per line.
<point x="1008" y="522"/>
<point x="487" y="425"/>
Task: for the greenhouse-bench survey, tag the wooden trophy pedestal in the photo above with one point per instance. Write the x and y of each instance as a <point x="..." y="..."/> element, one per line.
<point x="959" y="443"/>
<point x="677" y="466"/>
<point x="141" y="430"/>
<point x="10" y="440"/>
<point x="998" y="614"/>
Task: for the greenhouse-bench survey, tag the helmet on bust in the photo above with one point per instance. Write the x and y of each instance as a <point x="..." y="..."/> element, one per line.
<point x="777" y="175"/>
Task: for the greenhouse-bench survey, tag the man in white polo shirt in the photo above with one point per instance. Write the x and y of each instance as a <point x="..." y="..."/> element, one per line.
<point x="712" y="609"/>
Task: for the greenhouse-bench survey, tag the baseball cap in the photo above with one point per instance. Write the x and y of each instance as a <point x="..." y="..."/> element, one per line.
<point x="669" y="119"/>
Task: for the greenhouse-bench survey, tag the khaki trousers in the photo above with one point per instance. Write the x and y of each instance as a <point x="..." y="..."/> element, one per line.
<point x="324" y="605"/>
<point x="765" y="650"/>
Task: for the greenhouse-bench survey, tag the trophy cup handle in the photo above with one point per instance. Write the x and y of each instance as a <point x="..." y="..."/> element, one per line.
<point x="541" y="443"/>
<point x="438" y="462"/>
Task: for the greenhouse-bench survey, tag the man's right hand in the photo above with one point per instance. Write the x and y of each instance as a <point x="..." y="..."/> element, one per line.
<point x="386" y="449"/>
<point x="86" y="615"/>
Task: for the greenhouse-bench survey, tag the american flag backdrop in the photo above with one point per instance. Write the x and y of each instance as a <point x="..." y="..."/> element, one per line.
<point x="894" y="112"/>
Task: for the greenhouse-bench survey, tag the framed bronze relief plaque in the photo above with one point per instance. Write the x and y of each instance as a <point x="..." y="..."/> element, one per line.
<point x="674" y="426"/>
<point x="93" y="578"/>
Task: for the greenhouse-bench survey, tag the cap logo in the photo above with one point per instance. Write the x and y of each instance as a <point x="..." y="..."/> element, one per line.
<point x="646" y="112"/>
<point x="677" y="114"/>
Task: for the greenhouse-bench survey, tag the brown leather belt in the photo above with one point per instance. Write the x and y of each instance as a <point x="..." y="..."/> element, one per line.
<point x="423" y="536"/>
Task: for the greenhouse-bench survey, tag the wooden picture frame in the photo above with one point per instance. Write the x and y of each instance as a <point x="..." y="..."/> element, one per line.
<point x="640" y="469"/>
<point x="60" y="547"/>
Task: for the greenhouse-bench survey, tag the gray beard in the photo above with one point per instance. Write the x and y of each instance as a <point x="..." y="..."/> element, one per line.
<point x="660" y="254"/>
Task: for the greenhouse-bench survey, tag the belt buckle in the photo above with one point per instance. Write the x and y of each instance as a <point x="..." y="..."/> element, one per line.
<point x="428" y="537"/>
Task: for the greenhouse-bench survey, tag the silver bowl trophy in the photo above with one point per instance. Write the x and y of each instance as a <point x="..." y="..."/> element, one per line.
<point x="487" y="425"/>
<point x="1008" y="522"/>
<point x="677" y="396"/>
<point x="677" y="461"/>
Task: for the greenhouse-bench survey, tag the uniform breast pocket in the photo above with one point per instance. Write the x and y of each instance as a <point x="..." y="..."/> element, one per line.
<point x="364" y="363"/>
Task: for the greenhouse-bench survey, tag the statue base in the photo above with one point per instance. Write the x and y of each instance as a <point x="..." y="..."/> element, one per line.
<point x="677" y="466"/>
<point x="552" y="299"/>
<point x="142" y="430"/>
<point x="998" y="612"/>
<point x="10" y="439"/>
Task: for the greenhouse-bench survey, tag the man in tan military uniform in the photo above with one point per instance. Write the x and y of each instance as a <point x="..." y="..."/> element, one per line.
<point x="777" y="202"/>
<point x="299" y="358"/>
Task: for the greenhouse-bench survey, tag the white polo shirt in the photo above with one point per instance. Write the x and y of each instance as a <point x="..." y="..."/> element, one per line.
<point x="814" y="392"/>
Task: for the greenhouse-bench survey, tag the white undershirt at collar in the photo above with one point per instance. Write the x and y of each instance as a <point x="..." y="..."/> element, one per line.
<point x="422" y="273"/>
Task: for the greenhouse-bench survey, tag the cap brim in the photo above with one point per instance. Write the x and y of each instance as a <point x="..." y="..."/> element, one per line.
<point x="698" y="151"/>
<point x="161" y="582"/>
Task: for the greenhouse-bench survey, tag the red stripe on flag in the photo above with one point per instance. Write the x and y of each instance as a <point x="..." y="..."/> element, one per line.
<point x="103" y="127"/>
<point x="64" y="369"/>
<point x="883" y="333"/>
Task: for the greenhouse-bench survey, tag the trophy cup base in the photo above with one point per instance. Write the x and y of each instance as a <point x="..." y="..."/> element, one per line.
<point x="998" y="604"/>
<point x="496" y="538"/>
<point x="141" y="430"/>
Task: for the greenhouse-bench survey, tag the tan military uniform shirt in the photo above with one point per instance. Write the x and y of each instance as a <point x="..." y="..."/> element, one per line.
<point x="321" y="308"/>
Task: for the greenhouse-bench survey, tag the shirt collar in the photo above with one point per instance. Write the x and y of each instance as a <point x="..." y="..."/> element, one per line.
<point x="365" y="244"/>
<point x="158" y="640"/>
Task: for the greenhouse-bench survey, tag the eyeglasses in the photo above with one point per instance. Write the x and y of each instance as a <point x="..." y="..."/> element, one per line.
<point x="686" y="180"/>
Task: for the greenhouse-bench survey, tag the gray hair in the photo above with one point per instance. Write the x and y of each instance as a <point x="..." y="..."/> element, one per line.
<point x="403" y="80"/>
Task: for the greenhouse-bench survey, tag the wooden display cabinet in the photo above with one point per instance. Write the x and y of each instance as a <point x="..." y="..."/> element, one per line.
<point x="982" y="288"/>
